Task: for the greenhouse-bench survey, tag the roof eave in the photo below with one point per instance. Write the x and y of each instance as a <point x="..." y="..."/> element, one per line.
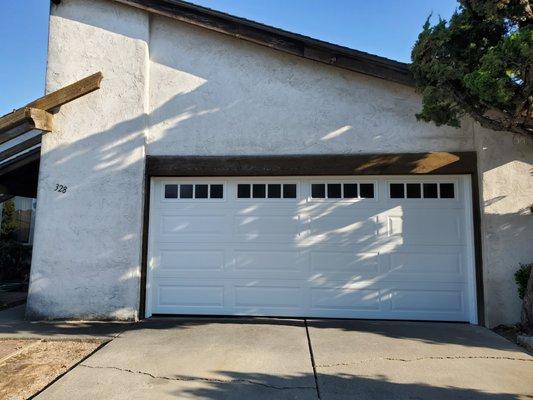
<point x="279" y="39"/>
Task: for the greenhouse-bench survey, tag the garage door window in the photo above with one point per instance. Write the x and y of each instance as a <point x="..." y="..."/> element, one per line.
<point x="342" y="191"/>
<point x="422" y="190"/>
<point x="266" y="191"/>
<point x="194" y="191"/>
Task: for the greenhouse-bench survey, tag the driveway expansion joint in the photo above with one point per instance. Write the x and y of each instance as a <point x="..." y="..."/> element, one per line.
<point x="197" y="379"/>
<point x="312" y="358"/>
<point x="424" y="359"/>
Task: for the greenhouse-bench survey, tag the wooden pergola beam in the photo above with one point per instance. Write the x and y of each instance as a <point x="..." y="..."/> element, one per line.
<point x="24" y="120"/>
<point x="68" y="93"/>
<point x="20" y="147"/>
<point x="37" y="114"/>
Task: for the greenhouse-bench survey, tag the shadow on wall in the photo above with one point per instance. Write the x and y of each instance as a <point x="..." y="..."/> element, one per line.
<point x="104" y="155"/>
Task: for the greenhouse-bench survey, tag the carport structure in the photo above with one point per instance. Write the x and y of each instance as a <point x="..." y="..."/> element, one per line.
<point x="20" y="137"/>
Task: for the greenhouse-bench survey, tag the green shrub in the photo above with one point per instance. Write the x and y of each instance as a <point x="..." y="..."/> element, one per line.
<point x="521" y="278"/>
<point x="9" y="222"/>
<point x="15" y="261"/>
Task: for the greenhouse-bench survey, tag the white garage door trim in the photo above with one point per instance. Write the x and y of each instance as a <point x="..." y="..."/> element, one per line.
<point x="306" y="290"/>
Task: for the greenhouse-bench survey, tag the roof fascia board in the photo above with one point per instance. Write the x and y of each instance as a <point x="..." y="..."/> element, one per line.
<point x="279" y="39"/>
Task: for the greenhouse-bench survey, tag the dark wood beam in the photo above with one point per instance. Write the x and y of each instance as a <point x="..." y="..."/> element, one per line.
<point x="302" y="165"/>
<point x="11" y="151"/>
<point x="19" y="162"/>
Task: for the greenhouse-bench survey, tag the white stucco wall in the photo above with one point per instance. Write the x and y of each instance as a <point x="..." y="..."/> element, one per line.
<point x="213" y="94"/>
<point x="174" y="89"/>
<point x="505" y="164"/>
<point x="86" y="258"/>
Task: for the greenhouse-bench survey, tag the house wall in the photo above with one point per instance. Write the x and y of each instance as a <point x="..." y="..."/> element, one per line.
<point x="86" y="257"/>
<point x="505" y="164"/>
<point x="213" y="94"/>
<point x="170" y="88"/>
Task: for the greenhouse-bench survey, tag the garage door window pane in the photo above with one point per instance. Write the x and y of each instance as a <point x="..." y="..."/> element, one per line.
<point x="430" y="191"/>
<point x="334" y="191"/>
<point x="447" y="191"/>
<point x="289" y="191"/>
<point x="366" y="190"/>
<point x="216" y="191"/>
<point x="350" y="190"/>
<point x="414" y="191"/>
<point x="397" y="191"/>
<point x="186" y="191"/>
<point x="258" y="191"/>
<point x="243" y="191"/>
<point x="200" y="191"/>
<point x="274" y="191"/>
<point x="318" y="190"/>
<point x="171" y="191"/>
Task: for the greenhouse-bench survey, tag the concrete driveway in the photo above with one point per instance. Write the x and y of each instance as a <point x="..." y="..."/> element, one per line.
<point x="178" y="358"/>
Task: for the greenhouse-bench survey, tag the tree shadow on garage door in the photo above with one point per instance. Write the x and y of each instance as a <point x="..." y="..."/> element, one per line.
<point x="338" y="386"/>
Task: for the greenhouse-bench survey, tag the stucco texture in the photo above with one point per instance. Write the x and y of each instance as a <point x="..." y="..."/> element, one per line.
<point x="171" y="88"/>
<point x="86" y="258"/>
<point x="212" y="94"/>
<point x="505" y="164"/>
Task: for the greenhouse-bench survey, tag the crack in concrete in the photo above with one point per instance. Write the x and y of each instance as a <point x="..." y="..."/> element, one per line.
<point x="426" y="358"/>
<point x="197" y="379"/>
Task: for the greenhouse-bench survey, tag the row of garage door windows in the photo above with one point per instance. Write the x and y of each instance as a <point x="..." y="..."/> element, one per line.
<point x="318" y="191"/>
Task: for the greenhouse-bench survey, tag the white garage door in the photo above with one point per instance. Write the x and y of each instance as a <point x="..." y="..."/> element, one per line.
<point x="353" y="247"/>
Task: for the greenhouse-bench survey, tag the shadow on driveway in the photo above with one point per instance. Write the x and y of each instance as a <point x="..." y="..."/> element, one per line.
<point x="266" y="358"/>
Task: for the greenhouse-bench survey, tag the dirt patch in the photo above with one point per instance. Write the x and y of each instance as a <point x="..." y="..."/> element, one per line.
<point x="11" y="347"/>
<point x="37" y="363"/>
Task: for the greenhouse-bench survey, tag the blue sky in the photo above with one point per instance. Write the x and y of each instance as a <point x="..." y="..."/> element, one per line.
<point x="384" y="27"/>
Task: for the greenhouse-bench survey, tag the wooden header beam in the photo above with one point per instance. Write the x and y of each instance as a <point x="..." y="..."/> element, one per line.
<point x="313" y="165"/>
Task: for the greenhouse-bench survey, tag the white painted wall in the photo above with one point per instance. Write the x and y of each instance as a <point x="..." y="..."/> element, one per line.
<point x="185" y="90"/>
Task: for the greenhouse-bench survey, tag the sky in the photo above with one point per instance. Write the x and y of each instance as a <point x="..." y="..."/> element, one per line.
<point x="387" y="28"/>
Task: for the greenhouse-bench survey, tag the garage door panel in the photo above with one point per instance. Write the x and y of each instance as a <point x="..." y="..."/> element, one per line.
<point x="438" y="298"/>
<point x="193" y="295"/>
<point x="304" y="257"/>
<point x="187" y="224"/>
<point x="192" y="229"/>
<point x="269" y="260"/>
<point x="265" y="226"/>
<point x="190" y="260"/>
<point x="443" y="267"/>
<point x="327" y="263"/>
<point x="345" y="299"/>
<point x="260" y="296"/>
<point x="428" y="227"/>
<point x="342" y="229"/>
